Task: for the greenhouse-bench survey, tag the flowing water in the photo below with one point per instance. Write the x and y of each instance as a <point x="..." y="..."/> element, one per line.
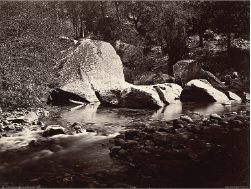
<point x="72" y="154"/>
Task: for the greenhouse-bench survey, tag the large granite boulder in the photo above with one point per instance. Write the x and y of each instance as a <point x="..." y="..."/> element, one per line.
<point x="94" y="72"/>
<point x="93" y="65"/>
<point x="200" y="90"/>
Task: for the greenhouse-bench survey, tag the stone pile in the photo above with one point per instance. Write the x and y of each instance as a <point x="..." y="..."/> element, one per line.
<point x="178" y="137"/>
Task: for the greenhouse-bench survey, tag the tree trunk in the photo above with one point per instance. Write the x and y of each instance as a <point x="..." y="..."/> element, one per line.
<point x="81" y="30"/>
<point x="117" y="10"/>
<point x="201" y="37"/>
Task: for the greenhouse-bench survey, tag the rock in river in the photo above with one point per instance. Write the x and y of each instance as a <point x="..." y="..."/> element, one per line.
<point x="53" y="130"/>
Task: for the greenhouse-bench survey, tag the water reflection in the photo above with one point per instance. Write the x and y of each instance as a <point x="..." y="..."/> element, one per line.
<point x="169" y="112"/>
<point x="123" y="116"/>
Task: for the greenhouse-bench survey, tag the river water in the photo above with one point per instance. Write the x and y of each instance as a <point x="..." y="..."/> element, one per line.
<point x="72" y="154"/>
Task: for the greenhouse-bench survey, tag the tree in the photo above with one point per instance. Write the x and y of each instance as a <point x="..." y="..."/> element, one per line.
<point x="201" y="15"/>
<point x="171" y="31"/>
<point x="231" y="17"/>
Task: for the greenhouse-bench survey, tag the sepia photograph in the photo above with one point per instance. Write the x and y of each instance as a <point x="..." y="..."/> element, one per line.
<point x="125" y="94"/>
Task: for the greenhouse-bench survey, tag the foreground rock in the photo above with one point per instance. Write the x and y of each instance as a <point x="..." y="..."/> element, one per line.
<point x="200" y="90"/>
<point x="181" y="136"/>
<point x="201" y="143"/>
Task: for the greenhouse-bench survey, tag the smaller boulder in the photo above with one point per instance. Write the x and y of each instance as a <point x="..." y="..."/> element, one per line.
<point x="186" y="119"/>
<point x="119" y="142"/>
<point x="186" y="70"/>
<point x="200" y="90"/>
<point x="31" y="117"/>
<point x="215" y="116"/>
<point x="53" y="130"/>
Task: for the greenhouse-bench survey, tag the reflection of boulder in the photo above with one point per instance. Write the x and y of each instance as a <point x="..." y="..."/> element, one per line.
<point x="172" y="111"/>
<point x="200" y="90"/>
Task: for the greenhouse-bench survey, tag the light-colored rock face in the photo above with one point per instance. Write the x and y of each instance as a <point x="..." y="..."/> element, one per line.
<point x="168" y="92"/>
<point x="92" y="66"/>
<point x="132" y="96"/>
<point x="202" y="90"/>
<point x="82" y="88"/>
<point x="186" y="70"/>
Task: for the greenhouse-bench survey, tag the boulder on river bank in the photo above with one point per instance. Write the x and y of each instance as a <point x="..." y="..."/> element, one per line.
<point x="186" y="70"/>
<point x="94" y="72"/>
<point x="200" y="90"/>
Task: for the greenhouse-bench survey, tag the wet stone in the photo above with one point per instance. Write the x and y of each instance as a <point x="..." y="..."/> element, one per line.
<point x="161" y="139"/>
<point x="131" y="134"/>
<point x="120" y="136"/>
<point x="34" y="143"/>
<point x="235" y="123"/>
<point x="123" y="153"/>
<point x="119" y="142"/>
<point x="186" y="118"/>
<point x="223" y="123"/>
<point x="129" y="144"/>
<point x="177" y="123"/>
<point x="53" y="130"/>
<point x="148" y="143"/>
<point x="9" y="127"/>
<point x="148" y="137"/>
<point x="90" y="130"/>
<point x="144" y="152"/>
<point x="162" y="130"/>
<point x="149" y="130"/>
<point x="215" y="116"/>
<point x="67" y="174"/>
<point x="114" y="150"/>
<point x="77" y="127"/>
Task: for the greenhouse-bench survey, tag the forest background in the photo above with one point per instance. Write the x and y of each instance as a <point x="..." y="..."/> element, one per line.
<point x="30" y="38"/>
